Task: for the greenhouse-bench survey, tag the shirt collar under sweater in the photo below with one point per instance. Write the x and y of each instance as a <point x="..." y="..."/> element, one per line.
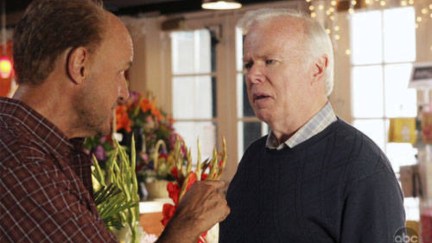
<point x="315" y="125"/>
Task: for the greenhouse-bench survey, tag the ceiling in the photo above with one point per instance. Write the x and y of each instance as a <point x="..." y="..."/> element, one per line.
<point x="135" y="7"/>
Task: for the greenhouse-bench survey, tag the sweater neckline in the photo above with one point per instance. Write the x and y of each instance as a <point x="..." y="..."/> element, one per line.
<point x="310" y="141"/>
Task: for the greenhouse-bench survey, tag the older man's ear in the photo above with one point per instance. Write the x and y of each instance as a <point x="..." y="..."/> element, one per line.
<point x="320" y="66"/>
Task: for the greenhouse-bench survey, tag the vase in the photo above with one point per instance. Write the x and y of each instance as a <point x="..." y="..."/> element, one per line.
<point x="157" y="189"/>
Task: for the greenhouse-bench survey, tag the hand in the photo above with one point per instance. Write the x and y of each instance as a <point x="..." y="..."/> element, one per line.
<point x="203" y="206"/>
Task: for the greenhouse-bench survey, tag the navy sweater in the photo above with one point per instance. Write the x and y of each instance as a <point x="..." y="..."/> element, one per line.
<point x="337" y="186"/>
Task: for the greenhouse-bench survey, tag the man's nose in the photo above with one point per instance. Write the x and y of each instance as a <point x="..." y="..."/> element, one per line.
<point x="255" y="74"/>
<point x="123" y="92"/>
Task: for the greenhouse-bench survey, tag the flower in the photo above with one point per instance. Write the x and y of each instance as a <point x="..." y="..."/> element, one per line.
<point x="154" y="133"/>
<point x="184" y="176"/>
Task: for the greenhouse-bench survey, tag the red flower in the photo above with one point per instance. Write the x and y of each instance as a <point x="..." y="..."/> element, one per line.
<point x="174" y="172"/>
<point x="191" y="179"/>
<point x="173" y="191"/>
<point x="202" y="238"/>
<point x="168" y="211"/>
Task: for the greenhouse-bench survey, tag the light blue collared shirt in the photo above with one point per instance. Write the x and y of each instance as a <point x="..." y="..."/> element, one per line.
<point x="315" y="125"/>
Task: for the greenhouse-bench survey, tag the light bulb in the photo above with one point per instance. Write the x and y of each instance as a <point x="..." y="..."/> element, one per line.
<point x="5" y="67"/>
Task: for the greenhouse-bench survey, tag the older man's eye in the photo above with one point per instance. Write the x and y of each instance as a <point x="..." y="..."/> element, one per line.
<point x="270" y="61"/>
<point x="248" y="65"/>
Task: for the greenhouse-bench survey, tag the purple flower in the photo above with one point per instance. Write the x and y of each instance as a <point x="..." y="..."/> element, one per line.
<point x="134" y="97"/>
<point x="100" y="153"/>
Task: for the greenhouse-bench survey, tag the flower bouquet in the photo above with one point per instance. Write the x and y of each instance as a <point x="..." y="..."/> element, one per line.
<point x="185" y="177"/>
<point x="153" y="131"/>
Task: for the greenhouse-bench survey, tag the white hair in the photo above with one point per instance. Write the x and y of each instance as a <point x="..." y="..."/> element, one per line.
<point x="318" y="41"/>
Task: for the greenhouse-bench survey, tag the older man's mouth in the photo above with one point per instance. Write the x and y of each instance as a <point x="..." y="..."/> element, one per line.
<point x="260" y="97"/>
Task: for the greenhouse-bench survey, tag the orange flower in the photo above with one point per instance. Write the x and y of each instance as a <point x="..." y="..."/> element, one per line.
<point x="146" y="105"/>
<point x="122" y="119"/>
<point x="156" y="112"/>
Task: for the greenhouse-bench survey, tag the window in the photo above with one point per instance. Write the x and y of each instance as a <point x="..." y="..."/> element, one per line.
<point x="383" y="49"/>
<point x="194" y="88"/>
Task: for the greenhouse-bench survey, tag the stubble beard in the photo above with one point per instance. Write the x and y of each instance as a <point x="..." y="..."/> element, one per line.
<point x="90" y="117"/>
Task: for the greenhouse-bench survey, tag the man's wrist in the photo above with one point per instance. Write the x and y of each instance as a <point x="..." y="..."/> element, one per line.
<point x="178" y="232"/>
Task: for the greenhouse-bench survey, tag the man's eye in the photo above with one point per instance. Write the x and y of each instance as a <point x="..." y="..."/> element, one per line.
<point x="248" y="65"/>
<point x="270" y="61"/>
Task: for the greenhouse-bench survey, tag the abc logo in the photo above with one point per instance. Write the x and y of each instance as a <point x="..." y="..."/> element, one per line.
<point x="406" y="235"/>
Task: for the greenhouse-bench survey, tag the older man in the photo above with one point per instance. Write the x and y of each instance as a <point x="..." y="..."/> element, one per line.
<point x="70" y="58"/>
<point x="314" y="178"/>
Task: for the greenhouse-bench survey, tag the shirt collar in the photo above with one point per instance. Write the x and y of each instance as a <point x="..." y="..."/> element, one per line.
<point x="315" y="125"/>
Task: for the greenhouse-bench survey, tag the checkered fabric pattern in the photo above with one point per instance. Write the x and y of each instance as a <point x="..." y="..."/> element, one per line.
<point x="315" y="125"/>
<point x="45" y="182"/>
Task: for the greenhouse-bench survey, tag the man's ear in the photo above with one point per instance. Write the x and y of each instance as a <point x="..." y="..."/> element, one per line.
<point x="77" y="62"/>
<point x="320" y="65"/>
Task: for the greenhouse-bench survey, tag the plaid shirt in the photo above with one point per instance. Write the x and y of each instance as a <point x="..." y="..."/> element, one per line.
<point x="315" y="125"/>
<point x="45" y="182"/>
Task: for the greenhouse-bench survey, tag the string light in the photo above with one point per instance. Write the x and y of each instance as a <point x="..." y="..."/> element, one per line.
<point x="348" y="52"/>
<point x="326" y="11"/>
